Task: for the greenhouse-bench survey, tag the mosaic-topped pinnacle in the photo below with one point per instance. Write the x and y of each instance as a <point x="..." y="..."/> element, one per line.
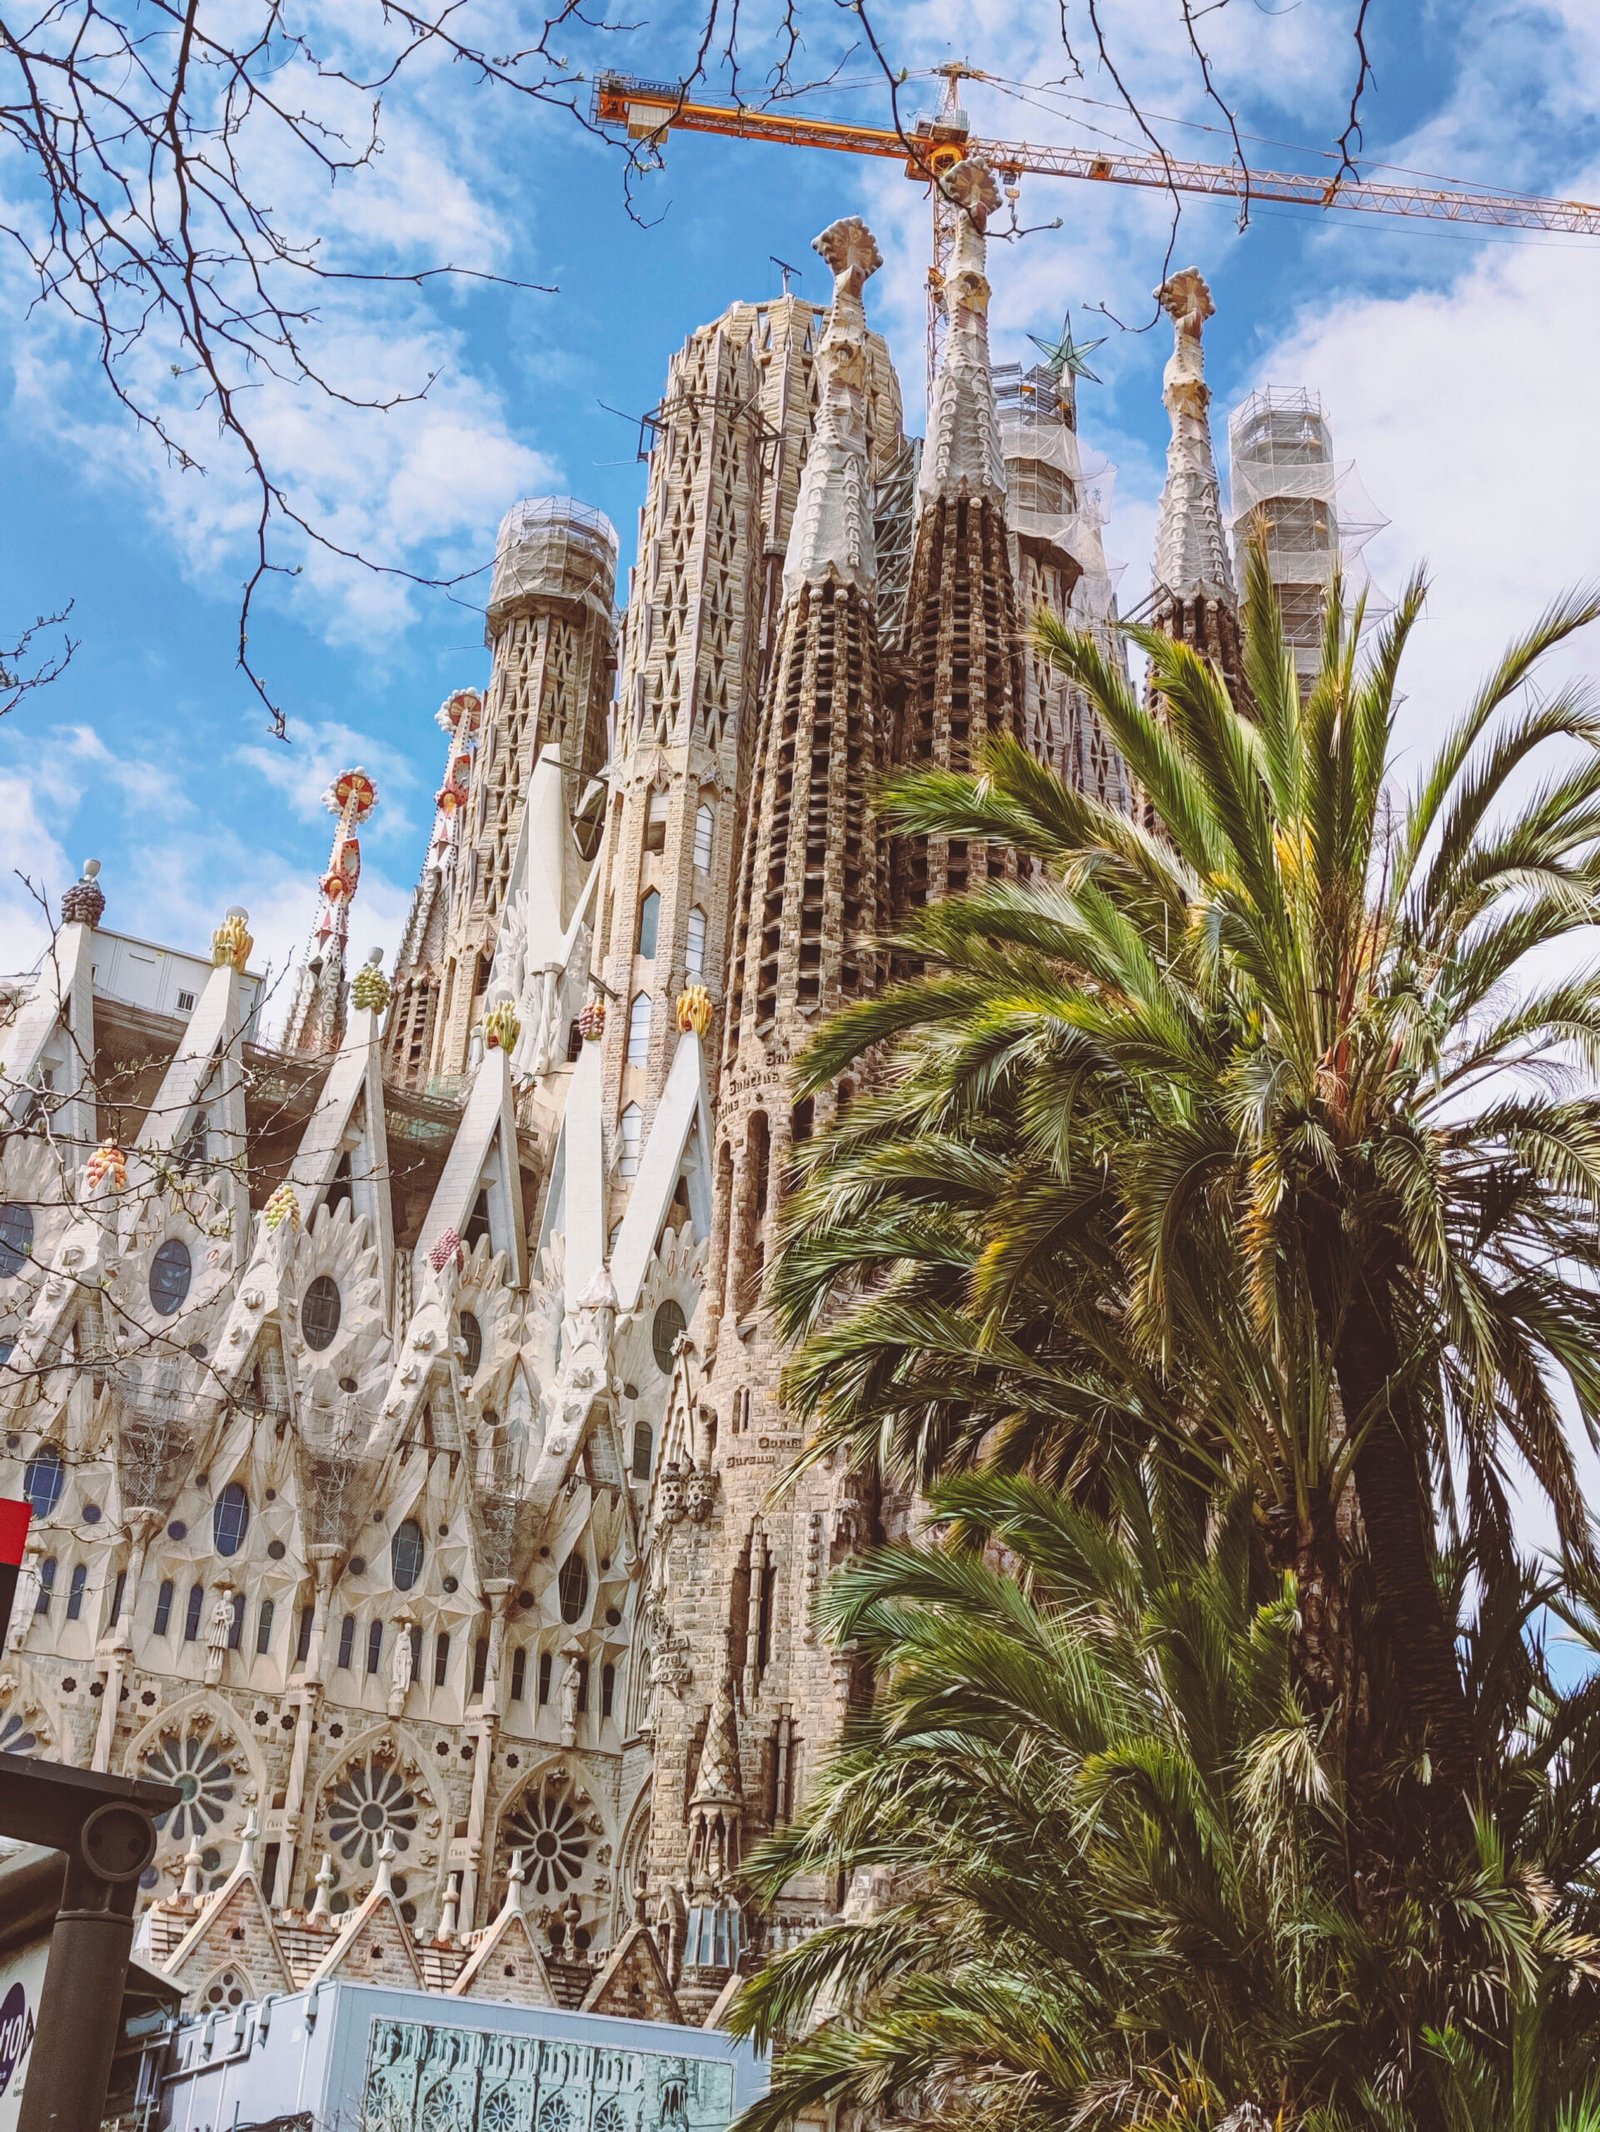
<point x="852" y="253"/>
<point x="1191" y="559"/>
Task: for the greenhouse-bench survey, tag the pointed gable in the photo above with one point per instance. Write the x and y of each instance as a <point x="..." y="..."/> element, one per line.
<point x="507" y="1963"/>
<point x="235" y="1929"/>
<point x="633" y="1984"/>
<point x="374" y="1947"/>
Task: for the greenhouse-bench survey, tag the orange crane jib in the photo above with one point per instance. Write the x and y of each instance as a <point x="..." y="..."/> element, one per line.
<point x="648" y="109"/>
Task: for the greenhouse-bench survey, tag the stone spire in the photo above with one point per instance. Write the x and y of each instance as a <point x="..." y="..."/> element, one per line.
<point x="962" y="454"/>
<point x="408" y="1034"/>
<point x="832" y="530"/>
<point x="963" y="632"/>
<point x="1194" y="596"/>
<point x="316" y="1019"/>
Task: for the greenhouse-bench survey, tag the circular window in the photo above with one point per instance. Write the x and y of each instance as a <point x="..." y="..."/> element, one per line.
<point x="319" y="1312"/>
<point x="43" y="1481"/>
<point x="370" y="1798"/>
<point x="405" y="1554"/>
<point x="549" y="1830"/>
<point x="573" y="1585"/>
<point x="230" y="1519"/>
<point x="472" y="1341"/>
<point x="194" y="1766"/>
<point x="665" y="1327"/>
<point x="16" y="1237"/>
<point x="171" y="1271"/>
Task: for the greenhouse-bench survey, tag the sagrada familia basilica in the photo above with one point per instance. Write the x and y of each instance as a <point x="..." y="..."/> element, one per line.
<point x="395" y="1396"/>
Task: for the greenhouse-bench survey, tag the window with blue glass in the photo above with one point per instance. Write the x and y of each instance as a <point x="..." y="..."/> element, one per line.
<point x="192" y="1612"/>
<point x="347" y="1639"/>
<point x="230" y="1519"/>
<point x="75" y="1590"/>
<point x="163" y="1620"/>
<point x="171" y="1271"/>
<point x="16" y="1238"/>
<point x="47" y="1585"/>
<point x="405" y="1555"/>
<point x="43" y="1480"/>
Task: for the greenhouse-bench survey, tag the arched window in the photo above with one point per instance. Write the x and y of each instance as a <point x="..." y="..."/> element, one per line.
<point x="705" y="823"/>
<point x="163" y="1620"/>
<point x="236" y="1622"/>
<point x="171" y="1271"/>
<point x="583" y="1686"/>
<point x="639" y="1030"/>
<point x="631" y="1138"/>
<point x="441" y="1658"/>
<point x="47" y="1584"/>
<point x="649" y="925"/>
<point x="472" y="1341"/>
<point x="16" y="1238"/>
<point x="80" y="1577"/>
<point x="644" y="1443"/>
<point x="347" y="1639"/>
<point x="194" y="1606"/>
<point x="320" y="1311"/>
<point x="405" y="1554"/>
<point x="544" y="1678"/>
<point x="608" y="1689"/>
<point x="230" y="1519"/>
<point x="264" y="1628"/>
<point x="694" y="952"/>
<point x="655" y="822"/>
<point x="519" y="1673"/>
<point x="374" y="1645"/>
<point x="573" y="1586"/>
<point x="480" y="1664"/>
<point x="302" y="1634"/>
<point x="43" y="1480"/>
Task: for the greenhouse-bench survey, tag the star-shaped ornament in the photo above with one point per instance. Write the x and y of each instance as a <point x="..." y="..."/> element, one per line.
<point x="1066" y="357"/>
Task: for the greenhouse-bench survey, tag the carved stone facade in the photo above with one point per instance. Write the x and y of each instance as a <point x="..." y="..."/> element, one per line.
<point x="398" y="1405"/>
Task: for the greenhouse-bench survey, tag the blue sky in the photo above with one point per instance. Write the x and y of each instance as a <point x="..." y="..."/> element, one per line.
<point x="1457" y="371"/>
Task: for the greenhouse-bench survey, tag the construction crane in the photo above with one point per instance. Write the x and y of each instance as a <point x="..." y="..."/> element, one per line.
<point x="649" y="110"/>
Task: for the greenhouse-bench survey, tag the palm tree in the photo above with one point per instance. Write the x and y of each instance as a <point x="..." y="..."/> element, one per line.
<point x="1258" y="1129"/>
<point x="1109" y="1841"/>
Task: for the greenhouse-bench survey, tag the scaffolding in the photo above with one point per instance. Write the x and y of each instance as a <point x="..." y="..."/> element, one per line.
<point x="894" y="513"/>
<point x="1057" y="497"/>
<point x="553" y="548"/>
<point x="1311" y="509"/>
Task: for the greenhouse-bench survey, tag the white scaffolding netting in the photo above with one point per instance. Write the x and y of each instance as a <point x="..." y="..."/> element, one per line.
<point x="553" y="548"/>
<point x="1312" y="509"/>
<point x="1057" y="494"/>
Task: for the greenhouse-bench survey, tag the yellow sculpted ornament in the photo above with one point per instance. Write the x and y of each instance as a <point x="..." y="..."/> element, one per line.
<point x="695" y="1010"/>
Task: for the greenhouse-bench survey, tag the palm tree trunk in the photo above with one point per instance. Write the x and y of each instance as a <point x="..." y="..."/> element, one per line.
<point x="1419" y="1644"/>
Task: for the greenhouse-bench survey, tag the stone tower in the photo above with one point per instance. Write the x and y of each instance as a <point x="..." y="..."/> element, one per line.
<point x="962" y="633"/>
<point x="552" y="633"/>
<point x="734" y="1577"/>
<point x="1194" y="598"/>
<point x="731" y="437"/>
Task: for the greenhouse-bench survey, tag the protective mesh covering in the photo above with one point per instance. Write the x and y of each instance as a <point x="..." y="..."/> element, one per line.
<point x="1315" y="513"/>
<point x="1057" y="495"/>
<point x="552" y="548"/>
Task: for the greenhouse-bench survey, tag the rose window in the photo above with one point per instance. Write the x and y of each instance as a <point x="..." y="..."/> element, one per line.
<point x="439" y="2113"/>
<point x="204" y="1778"/>
<point x="610" y="2117"/>
<point x="551" y="1834"/>
<point x="499" y="2113"/>
<point x="555" y="2114"/>
<point x="369" y="1800"/>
